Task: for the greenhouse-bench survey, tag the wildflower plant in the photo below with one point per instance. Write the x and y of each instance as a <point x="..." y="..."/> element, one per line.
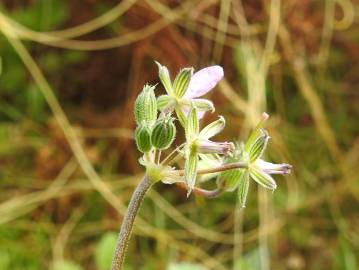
<point x="232" y="165"/>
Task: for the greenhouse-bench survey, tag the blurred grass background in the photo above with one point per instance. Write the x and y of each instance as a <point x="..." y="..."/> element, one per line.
<point x="70" y="73"/>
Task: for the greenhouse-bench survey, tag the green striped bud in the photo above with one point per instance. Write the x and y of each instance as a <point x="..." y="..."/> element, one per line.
<point x="143" y="138"/>
<point x="146" y="106"/>
<point x="163" y="133"/>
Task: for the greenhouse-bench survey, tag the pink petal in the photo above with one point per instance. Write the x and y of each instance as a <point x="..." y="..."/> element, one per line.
<point x="203" y="81"/>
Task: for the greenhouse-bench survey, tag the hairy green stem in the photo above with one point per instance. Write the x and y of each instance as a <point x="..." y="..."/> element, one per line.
<point x="127" y="223"/>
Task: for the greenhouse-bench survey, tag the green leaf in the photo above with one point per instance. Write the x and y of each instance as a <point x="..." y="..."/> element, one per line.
<point x="104" y="251"/>
<point x="181" y="82"/>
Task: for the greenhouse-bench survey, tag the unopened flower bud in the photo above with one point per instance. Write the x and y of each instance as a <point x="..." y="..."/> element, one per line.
<point x="163" y="133"/>
<point x="143" y="138"/>
<point x="272" y="168"/>
<point x="146" y="106"/>
<point x="205" y="146"/>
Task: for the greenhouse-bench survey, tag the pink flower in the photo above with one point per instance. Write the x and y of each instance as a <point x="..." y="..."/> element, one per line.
<point x="200" y="84"/>
<point x="203" y="81"/>
<point x="186" y="90"/>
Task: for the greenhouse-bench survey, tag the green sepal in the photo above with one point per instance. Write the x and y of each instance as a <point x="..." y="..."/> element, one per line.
<point x="165" y="78"/>
<point x="181" y="82"/>
<point x="262" y="178"/>
<point x="213" y="128"/>
<point x="181" y="117"/>
<point x="229" y="180"/>
<point x="259" y="145"/>
<point x="190" y="170"/>
<point x="243" y="188"/>
<point x="256" y="132"/>
<point x="192" y="125"/>
<point x="163" y="101"/>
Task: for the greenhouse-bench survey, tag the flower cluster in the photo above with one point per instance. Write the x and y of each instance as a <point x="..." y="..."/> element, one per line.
<point x="232" y="164"/>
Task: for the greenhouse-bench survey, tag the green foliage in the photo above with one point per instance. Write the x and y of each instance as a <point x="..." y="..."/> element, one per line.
<point x="345" y="257"/>
<point x="104" y="251"/>
<point x="67" y="265"/>
<point x="20" y="96"/>
<point x="249" y="261"/>
<point x="185" y="266"/>
<point x="42" y="15"/>
<point x="4" y="260"/>
<point x="14" y="253"/>
<point x="36" y="103"/>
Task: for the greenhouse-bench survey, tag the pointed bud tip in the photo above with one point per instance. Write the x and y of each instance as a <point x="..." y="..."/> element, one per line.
<point x="158" y="63"/>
